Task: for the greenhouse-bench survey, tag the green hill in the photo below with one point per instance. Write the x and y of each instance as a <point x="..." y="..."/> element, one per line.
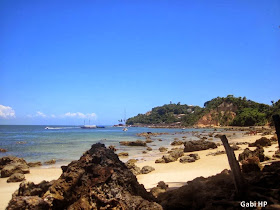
<point x="230" y="110"/>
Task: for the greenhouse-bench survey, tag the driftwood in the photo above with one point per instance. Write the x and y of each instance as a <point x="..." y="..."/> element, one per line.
<point x="238" y="179"/>
<point x="276" y="119"/>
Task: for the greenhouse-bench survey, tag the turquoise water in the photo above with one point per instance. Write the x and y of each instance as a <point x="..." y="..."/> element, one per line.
<point x="67" y="143"/>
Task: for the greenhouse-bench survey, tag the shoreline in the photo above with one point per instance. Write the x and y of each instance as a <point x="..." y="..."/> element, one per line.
<point x="175" y="174"/>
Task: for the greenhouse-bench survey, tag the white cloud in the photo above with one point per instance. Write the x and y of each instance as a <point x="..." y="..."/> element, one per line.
<point x="7" y="112"/>
<point x="40" y="114"/>
<point x="53" y="116"/>
<point x="80" y="115"/>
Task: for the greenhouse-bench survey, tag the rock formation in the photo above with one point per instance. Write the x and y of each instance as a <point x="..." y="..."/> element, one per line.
<point x="98" y="180"/>
<point x="10" y="165"/>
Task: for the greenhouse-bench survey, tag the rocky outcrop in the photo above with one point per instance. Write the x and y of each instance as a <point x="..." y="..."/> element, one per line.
<point x="98" y="180"/>
<point x="198" y="145"/>
<point x="261" y="142"/>
<point x="10" y="165"/>
<point x="133" y="143"/>
<point x="247" y="153"/>
<point x="218" y="192"/>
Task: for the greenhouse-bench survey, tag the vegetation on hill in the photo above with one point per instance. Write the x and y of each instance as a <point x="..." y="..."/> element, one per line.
<point x="228" y="110"/>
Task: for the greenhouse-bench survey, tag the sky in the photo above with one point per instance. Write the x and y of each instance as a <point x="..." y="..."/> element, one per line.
<point x="63" y="62"/>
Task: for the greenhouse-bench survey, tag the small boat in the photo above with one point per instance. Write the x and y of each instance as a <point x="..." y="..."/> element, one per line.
<point x="100" y="126"/>
<point x="124" y="129"/>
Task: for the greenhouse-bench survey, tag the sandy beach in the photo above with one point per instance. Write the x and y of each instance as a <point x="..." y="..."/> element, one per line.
<point x="175" y="174"/>
<point x="36" y="175"/>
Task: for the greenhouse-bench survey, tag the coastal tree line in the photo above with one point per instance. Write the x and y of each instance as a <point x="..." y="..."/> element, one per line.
<point x="246" y="113"/>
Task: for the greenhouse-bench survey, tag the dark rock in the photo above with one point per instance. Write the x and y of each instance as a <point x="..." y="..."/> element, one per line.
<point x="247" y="153"/>
<point x="147" y="169"/>
<point x="149" y="141"/>
<point x="123" y="154"/>
<point x="187" y="159"/>
<point x="195" y="156"/>
<point x="162" y="185"/>
<point x="3" y="150"/>
<point x="235" y="147"/>
<point x="168" y="158"/>
<point x="98" y="180"/>
<point x="144" y="152"/>
<point x="30" y="202"/>
<point x="50" y="162"/>
<point x="113" y="148"/>
<point x="149" y="149"/>
<point x="261" y="142"/>
<point x="160" y="160"/>
<point x="16" y="177"/>
<point x="216" y="153"/>
<point x="10" y="165"/>
<point x="177" y="153"/>
<point x="133" y="143"/>
<point x="156" y="191"/>
<point x="177" y="143"/>
<point x="162" y="149"/>
<point x="198" y="145"/>
<point x="34" y="164"/>
<point x="130" y="164"/>
<point x="251" y="164"/>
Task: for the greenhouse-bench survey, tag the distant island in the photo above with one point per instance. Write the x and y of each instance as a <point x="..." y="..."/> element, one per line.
<point x="220" y="111"/>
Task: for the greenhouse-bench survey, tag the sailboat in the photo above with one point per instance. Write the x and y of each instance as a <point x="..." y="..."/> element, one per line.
<point x="88" y="126"/>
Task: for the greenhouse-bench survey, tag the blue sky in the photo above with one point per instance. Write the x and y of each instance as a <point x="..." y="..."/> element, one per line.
<point x="65" y="61"/>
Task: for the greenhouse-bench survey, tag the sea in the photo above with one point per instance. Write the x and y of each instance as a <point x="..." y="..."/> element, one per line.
<point x="68" y="143"/>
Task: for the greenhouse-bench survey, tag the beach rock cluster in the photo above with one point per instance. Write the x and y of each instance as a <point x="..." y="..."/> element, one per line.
<point x="130" y="164"/>
<point x="191" y="146"/>
<point x="171" y="157"/>
<point x="218" y="192"/>
<point x="216" y="153"/>
<point x="13" y="167"/>
<point x="98" y="180"/>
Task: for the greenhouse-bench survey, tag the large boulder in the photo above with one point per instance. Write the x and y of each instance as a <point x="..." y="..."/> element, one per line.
<point x="198" y="145"/>
<point x="10" y="165"/>
<point x="98" y="180"/>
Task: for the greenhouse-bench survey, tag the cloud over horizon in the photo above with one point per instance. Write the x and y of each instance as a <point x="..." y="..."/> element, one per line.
<point x="7" y="112"/>
<point x="80" y="115"/>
